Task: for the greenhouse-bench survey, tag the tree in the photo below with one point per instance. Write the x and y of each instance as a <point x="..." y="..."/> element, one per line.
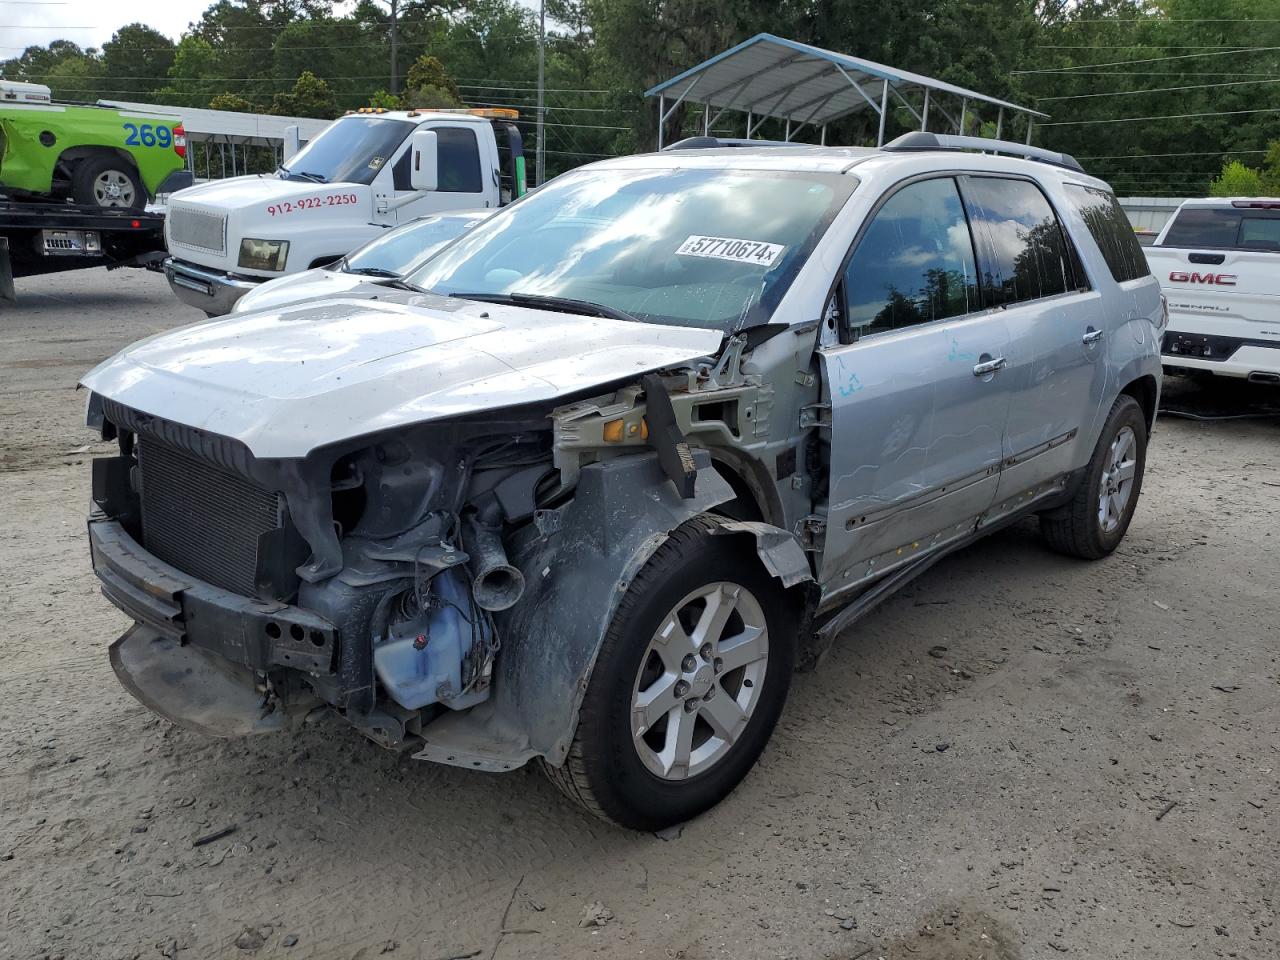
<point x="1236" y="180"/>
<point x="310" y="97"/>
<point x="136" y="61"/>
<point x="386" y="100"/>
<point x="231" y="101"/>
<point x="429" y="85"/>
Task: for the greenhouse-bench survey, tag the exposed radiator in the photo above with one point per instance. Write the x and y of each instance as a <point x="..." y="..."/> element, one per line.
<point x="202" y="518"/>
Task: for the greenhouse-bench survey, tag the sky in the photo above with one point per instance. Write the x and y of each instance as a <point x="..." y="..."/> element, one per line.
<point x="90" y="23"/>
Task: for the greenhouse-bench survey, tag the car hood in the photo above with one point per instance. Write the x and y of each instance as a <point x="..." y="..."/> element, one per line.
<point x="236" y="192"/>
<point x="290" y="380"/>
<point x="308" y="285"/>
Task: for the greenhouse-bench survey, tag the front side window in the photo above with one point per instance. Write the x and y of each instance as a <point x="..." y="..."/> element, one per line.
<point x="459" y="157"/>
<point x="1028" y="255"/>
<point x="350" y="150"/>
<point x="1111" y="231"/>
<point x="710" y="248"/>
<point x="914" y="263"/>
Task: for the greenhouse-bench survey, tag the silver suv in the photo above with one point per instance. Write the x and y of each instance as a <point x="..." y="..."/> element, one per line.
<point x="589" y="484"/>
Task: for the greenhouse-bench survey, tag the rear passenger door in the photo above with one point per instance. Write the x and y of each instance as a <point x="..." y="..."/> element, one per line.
<point x="916" y="420"/>
<point x="1055" y="372"/>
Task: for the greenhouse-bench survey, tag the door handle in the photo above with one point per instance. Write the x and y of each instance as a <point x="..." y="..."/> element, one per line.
<point x="988" y="366"/>
<point x="1091" y="336"/>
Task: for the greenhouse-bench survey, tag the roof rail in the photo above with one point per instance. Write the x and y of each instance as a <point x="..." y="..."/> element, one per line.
<point x="710" y="143"/>
<point x="945" y="141"/>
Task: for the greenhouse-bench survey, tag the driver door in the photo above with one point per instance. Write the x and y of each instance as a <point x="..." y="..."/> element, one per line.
<point x="918" y="408"/>
<point x="462" y="180"/>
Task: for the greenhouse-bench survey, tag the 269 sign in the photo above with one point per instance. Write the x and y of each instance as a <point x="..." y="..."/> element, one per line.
<point x="147" y="135"/>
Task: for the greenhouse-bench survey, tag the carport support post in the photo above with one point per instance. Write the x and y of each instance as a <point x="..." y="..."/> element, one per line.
<point x="823" y="139"/>
<point x="999" y="122"/>
<point x="1030" y="123"/>
<point x="662" y="116"/>
<point x="884" y="110"/>
<point x="924" y="122"/>
<point x="964" y="108"/>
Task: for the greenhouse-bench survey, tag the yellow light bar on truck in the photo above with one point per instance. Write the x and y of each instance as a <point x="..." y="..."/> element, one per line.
<point x="493" y="113"/>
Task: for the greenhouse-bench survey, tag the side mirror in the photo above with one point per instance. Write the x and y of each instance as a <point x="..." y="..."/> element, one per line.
<point x="292" y="143"/>
<point x="424" y="171"/>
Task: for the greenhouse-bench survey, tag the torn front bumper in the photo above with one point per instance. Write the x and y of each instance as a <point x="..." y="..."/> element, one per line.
<point x="198" y="654"/>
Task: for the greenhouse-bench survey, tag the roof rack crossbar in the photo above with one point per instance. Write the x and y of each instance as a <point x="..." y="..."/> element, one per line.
<point x="945" y="141"/>
<point x="711" y="143"/>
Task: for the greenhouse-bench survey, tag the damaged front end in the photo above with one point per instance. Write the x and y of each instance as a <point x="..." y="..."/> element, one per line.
<point x="444" y="586"/>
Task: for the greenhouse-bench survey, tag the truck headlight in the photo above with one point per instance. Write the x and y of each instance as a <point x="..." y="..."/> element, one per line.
<point x="263" y="254"/>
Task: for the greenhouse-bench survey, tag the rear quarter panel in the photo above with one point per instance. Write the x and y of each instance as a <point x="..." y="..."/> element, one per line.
<point x="28" y="164"/>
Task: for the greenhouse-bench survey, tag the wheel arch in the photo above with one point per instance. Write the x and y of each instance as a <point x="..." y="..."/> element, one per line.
<point x="1146" y="391"/>
<point x="578" y="562"/>
<point x="74" y="155"/>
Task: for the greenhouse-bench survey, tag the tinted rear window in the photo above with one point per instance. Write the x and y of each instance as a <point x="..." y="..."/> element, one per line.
<point x="1111" y="231"/>
<point x="1226" y="228"/>
<point x="1029" y="256"/>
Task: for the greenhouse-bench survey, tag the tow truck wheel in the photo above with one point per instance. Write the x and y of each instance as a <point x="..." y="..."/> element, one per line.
<point x="688" y="686"/>
<point x="108" y="181"/>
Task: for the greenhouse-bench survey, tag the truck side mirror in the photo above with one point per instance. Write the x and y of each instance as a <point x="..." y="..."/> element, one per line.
<point x="292" y="142"/>
<point x="424" y="173"/>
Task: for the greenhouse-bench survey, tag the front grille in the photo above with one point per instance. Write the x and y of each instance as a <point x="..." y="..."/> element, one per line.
<point x="196" y="228"/>
<point x="202" y="518"/>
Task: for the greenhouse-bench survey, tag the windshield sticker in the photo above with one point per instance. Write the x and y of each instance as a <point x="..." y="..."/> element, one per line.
<point x="755" y="252"/>
<point x="377" y="162"/>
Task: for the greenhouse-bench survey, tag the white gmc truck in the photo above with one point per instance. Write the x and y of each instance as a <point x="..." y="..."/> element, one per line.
<point x="367" y="171"/>
<point x="1218" y="261"/>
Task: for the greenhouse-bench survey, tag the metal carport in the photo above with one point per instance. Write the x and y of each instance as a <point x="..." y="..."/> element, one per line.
<point x="769" y="77"/>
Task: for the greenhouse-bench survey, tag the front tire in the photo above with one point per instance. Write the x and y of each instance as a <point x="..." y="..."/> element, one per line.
<point x="688" y="685"/>
<point x="108" y="182"/>
<point x="1094" y="522"/>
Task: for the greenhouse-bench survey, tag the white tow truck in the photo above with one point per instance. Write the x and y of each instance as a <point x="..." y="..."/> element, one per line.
<point x="364" y="173"/>
<point x="1218" y="261"/>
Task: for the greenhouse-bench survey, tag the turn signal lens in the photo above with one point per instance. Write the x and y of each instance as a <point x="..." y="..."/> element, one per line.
<point x="618" y="431"/>
<point x="180" y="141"/>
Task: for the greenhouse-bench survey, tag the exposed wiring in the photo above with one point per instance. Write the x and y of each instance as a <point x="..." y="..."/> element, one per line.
<point x="1188" y="415"/>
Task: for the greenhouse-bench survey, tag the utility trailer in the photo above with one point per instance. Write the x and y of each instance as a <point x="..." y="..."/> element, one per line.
<point x="49" y="237"/>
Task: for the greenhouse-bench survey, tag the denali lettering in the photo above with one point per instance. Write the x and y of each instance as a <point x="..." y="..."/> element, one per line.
<point x="1221" y="279"/>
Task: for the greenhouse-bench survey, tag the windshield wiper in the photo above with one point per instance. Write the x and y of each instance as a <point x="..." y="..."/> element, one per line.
<point x="313" y="177"/>
<point x="371" y="272"/>
<point x="539" y="301"/>
<point x="394" y="281"/>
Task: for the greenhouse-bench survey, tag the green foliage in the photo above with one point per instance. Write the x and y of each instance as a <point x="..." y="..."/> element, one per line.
<point x="310" y="97"/>
<point x="231" y="101"/>
<point x="385" y="100"/>
<point x="427" y="71"/>
<point x="1236" y="180"/>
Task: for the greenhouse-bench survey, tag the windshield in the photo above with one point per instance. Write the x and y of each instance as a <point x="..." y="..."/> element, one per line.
<point x="399" y="249"/>
<point x="350" y="150"/>
<point x="704" y="248"/>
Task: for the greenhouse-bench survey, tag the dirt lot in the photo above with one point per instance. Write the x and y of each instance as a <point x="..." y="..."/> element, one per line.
<point x="1088" y="768"/>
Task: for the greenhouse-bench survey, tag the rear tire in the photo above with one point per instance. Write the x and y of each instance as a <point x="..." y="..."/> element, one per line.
<point x="715" y="703"/>
<point x="109" y="182"/>
<point x="1094" y="522"/>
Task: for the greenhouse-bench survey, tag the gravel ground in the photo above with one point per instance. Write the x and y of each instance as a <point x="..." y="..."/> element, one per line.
<point x="1021" y="756"/>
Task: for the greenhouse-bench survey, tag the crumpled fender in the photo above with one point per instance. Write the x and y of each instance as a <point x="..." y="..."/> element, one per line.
<point x="578" y="562"/>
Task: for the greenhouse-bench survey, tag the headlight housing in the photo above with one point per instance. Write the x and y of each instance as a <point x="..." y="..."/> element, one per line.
<point x="263" y="254"/>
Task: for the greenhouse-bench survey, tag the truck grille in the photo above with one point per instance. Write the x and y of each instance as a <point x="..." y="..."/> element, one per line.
<point x="196" y="228"/>
<point x="202" y="518"/>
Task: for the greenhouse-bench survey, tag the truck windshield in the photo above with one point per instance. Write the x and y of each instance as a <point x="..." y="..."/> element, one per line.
<point x="350" y="150"/>
<point x="716" y="249"/>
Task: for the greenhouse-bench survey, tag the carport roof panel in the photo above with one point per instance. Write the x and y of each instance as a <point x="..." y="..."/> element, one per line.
<point x="776" y="77"/>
